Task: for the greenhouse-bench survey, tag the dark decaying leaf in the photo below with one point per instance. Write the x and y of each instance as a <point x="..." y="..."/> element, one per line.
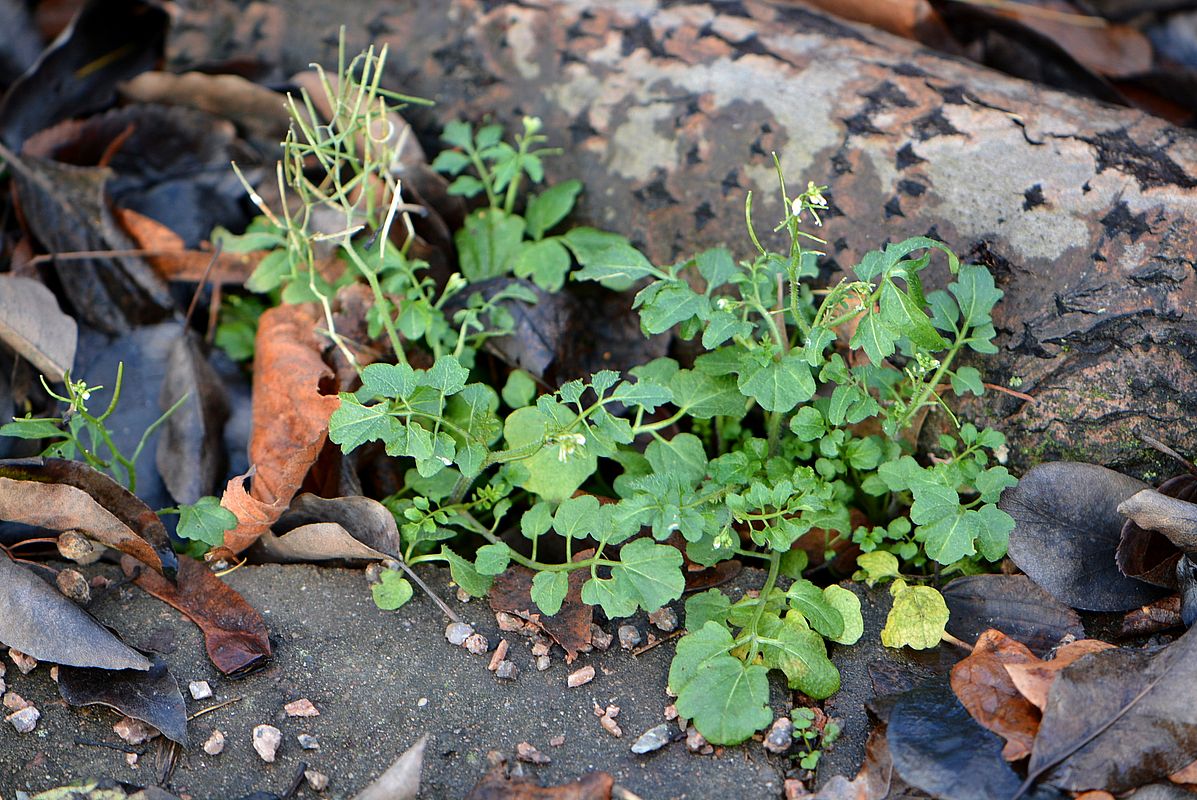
<point x="1147" y="550"/>
<point x="985" y="689"/>
<point x="235" y="635"/>
<point x="401" y="781"/>
<point x="1067" y="528"/>
<point x="33" y="325"/>
<point x="151" y="696"/>
<point x="874" y="781"/>
<point x="1119" y="719"/>
<point x="37" y="619"/>
<point x="1012" y="604"/>
<point x="67" y="210"/>
<point x="569" y="627"/>
<point x="290" y="420"/>
<point x="66" y="495"/>
<point x="1158" y="615"/>
<point x="190" y="448"/>
<point x="938" y="748"/>
<point x="498" y="785"/>
<point x="108" y="41"/>
<point x="319" y="529"/>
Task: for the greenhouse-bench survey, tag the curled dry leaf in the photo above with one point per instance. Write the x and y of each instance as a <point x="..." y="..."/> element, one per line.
<point x="1119" y="719"/>
<point x="984" y="688"/>
<point x="498" y="785"/>
<point x="290" y="420"/>
<point x="1034" y="679"/>
<point x="1152" y="618"/>
<point x="37" y="620"/>
<point x="235" y="635"/>
<point x="1012" y="604"/>
<point x="190" y="447"/>
<point x="1161" y="525"/>
<point x="318" y="529"/>
<point x="401" y="781"/>
<point x="65" y="495"/>
<point x="1066" y="531"/>
<point x="151" y="696"/>
<point x="174" y="262"/>
<point x="33" y="325"/>
<point x="874" y="781"/>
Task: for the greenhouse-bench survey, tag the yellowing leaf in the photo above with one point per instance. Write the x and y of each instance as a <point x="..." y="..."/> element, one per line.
<point x="917" y="618"/>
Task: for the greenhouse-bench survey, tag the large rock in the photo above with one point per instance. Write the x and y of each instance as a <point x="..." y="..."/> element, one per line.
<point x="669" y="112"/>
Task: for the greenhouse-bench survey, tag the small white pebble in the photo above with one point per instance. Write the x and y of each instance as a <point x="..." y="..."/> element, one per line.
<point x="610" y="726"/>
<point x="652" y="739"/>
<point x="308" y="742"/>
<point x="509" y="622"/>
<point x="543" y="663"/>
<point x="507" y="671"/>
<point x="524" y="751"/>
<point x="423" y="701"/>
<point x="215" y="744"/>
<point x="780" y="736"/>
<point x="695" y="741"/>
<point x="301" y="708"/>
<point x="14" y="702"/>
<point x="131" y="760"/>
<point x="463" y="595"/>
<point x="541" y="647"/>
<point x="53" y="674"/>
<point x="317" y="780"/>
<point x="580" y="677"/>
<point x="477" y="644"/>
<point x="629" y="636"/>
<point x="458" y="632"/>
<point x="267" y="739"/>
<point x="23" y="662"/>
<point x="671" y="711"/>
<point x="24" y="720"/>
<point x="200" y="690"/>
<point x="599" y="637"/>
<point x="557" y="741"/>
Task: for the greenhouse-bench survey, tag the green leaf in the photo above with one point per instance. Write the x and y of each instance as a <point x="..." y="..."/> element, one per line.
<point x="724" y="325"/>
<point x="967" y="379"/>
<point x="917" y="619"/>
<point x="950" y="538"/>
<point x="549" y="590"/>
<point x="520" y="389"/>
<point x="548" y="476"/>
<point x="711" y="605"/>
<point x="607" y="258"/>
<point x="33" y="428"/>
<point x="716" y="267"/>
<point x="993" y="535"/>
<point x="808" y="424"/>
<point x="354" y="424"/>
<point x="466" y="186"/>
<point x="976" y="294"/>
<point x="488" y="243"/>
<point x="536" y="520"/>
<point x="874" y="338"/>
<point x="800" y="653"/>
<point x="205" y="520"/>
<point x="546" y="262"/>
<point x="902" y="313"/>
<point x="270" y="272"/>
<point x="392" y="591"/>
<point x="682" y="457"/>
<point x="703" y="396"/>
<point x="649" y="573"/>
<point x="778" y="385"/>
<point x="550" y="207"/>
<point x="492" y="559"/>
<point x="816" y="344"/>
<point x="613" y="596"/>
<point x="847" y="603"/>
<point x="727" y="700"/>
<point x="992" y="482"/>
<point x="577" y="516"/>
<point x="878" y="565"/>
<point x="794" y="562"/>
<point x="663" y="305"/>
<point x="807" y="599"/>
<point x="450" y="162"/>
<point x="642" y="393"/>
<point x="457" y="134"/>
<point x="464" y="575"/>
<point x="863" y="454"/>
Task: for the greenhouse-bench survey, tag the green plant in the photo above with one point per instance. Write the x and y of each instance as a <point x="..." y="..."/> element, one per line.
<point x="783" y="432"/>
<point x="811" y="739"/>
<point x="81" y="435"/>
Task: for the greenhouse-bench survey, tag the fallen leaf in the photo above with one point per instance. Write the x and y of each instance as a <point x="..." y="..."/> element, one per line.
<point x="401" y="781"/>
<point x="874" y="781"/>
<point x="174" y="262"/>
<point x="317" y="529"/>
<point x="108" y="41"/>
<point x="498" y="785"/>
<point x="235" y="635"/>
<point x="290" y="420"/>
<point x="984" y="688"/>
<point x="151" y="696"/>
<point x="938" y="748"/>
<point x="1185" y="775"/>
<point x="1153" y="536"/>
<point x="1034" y="679"/>
<point x="63" y="495"/>
<point x="569" y="627"/>
<point x="1014" y="605"/>
<point x="38" y="620"/>
<point x="1156" y="616"/>
<point x="33" y="325"/>
<point x="1067" y="530"/>
<point x="190" y="447"/>
<point x="1119" y="719"/>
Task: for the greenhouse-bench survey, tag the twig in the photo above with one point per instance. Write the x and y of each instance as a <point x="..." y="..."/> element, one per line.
<point x="199" y="288"/>
<point x="216" y="707"/>
<point x="1011" y="392"/>
<point x="296" y="781"/>
<point x="411" y="573"/>
<point x="124" y="748"/>
<point x="647" y="647"/>
<point x="950" y="639"/>
<point x="1168" y="451"/>
<point x="1068" y="18"/>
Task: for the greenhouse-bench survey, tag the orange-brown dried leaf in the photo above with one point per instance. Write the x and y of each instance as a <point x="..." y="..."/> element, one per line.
<point x="498" y="785"/>
<point x="985" y="688"/>
<point x="1094" y="795"/>
<point x="235" y="634"/>
<point x="174" y="262"/>
<point x="511" y="593"/>
<point x="1186" y="776"/>
<point x="1152" y="618"/>
<point x="290" y="420"/>
<point x="1034" y="679"/>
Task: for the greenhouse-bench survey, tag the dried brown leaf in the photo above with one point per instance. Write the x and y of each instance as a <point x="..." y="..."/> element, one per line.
<point x="33" y="325"/>
<point x="984" y="687"/>
<point x="1034" y="679"/>
<point x="569" y="627"/>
